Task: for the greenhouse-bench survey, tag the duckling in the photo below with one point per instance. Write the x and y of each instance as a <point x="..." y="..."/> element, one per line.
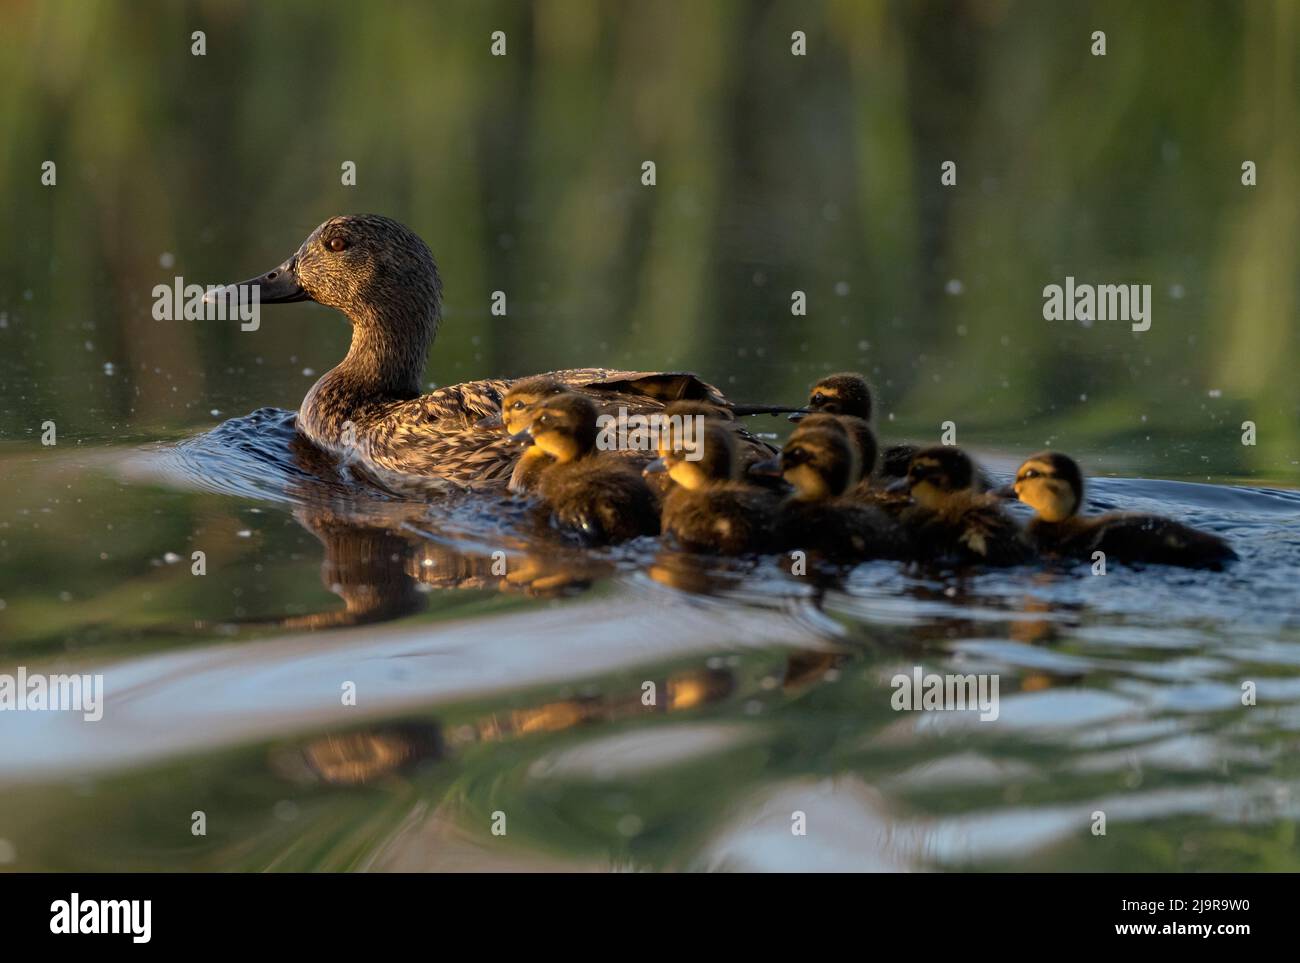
<point x="708" y="509"/>
<point x="862" y="441"/>
<point x="848" y="393"/>
<point x="951" y="521"/>
<point x="517" y="411"/>
<point x="819" y="464"/>
<point x="601" y="497"/>
<point x="369" y="409"/>
<point x="1052" y="484"/>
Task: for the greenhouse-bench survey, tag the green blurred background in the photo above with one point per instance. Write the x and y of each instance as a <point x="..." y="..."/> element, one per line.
<point x="774" y="173"/>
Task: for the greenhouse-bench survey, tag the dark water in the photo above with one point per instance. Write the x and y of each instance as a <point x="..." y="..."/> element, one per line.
<point x="521" y="694"/>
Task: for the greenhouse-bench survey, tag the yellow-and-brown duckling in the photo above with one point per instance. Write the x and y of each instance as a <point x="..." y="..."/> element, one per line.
<point x="848" y="393"/>
<point x="597" y="495"/>
<point x="708" y="509"/>
<point x="819" y="463"/>
<point x="951" y="522"/>
<point x="867" y="487"/>
<point x="369" y="409"/>
<point x="518" y="407"/>
<point x="1052" y="484"/>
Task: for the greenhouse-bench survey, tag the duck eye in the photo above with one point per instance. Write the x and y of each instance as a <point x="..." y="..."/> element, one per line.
<point x="517" y="405"/>
<point x="818" y="398"/>
<point x="1031" y="473"/>
<point x="337" y="243"/>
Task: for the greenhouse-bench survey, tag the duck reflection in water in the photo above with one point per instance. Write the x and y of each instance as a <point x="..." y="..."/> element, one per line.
<point x="356" y="757"/>
<point x="383" y="555"/>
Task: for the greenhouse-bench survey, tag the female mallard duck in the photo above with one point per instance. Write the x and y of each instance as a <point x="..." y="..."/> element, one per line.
<point x="597" y="495"/>
<point x="951" y="521"/>
<point x="819" y="464"/>
<point x="369" y="409"/>
<point x="1052" y="485"/>
<point x="708" y="509"/>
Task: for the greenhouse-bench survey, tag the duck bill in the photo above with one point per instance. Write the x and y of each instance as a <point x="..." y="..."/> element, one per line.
<point x="769" y="468"/>
<point x="278" y="286"/>
<point x="656" y="467"/>
<point x="524" y="437"/>
<point x="900" y="487"/>
<point x="1007" y="492"/>
<point x="492" y="423"/>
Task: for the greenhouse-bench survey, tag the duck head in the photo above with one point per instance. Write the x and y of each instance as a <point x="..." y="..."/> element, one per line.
<point x="717" y="460"/>
<point x="861" y="439"/>
<point x="936" y="474"/>
<point x="521" y="401"/>
<point x="817" y="462"/>
<point x="1051" y="484"/>
<point x="841" y="394"/>
<point x="382" y="276"/>
<point x="564" y="427"/>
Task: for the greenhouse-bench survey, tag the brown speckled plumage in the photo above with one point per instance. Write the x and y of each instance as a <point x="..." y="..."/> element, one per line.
<point x="369" y="412"/>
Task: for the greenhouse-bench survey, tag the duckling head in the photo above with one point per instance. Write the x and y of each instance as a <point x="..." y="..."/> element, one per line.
<point x="842" y="394"/>
<point x="521" y="401"/>
<point x="382" y="276"/>
<point x="861" y="439"/>
<point x="1051" y="484"/>
<point x="714" y="458"/>
<point x="937" y="473"/>
<point x="564" y="427"/>
<point x="818" y="462"/>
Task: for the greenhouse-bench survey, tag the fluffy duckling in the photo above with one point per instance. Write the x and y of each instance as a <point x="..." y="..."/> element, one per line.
<point x="951" y="521"/>
<point x="862" y="441"/>
<point x="848" y="393"/>
<point x="1052" y="484"/>
<point x="819" y="464"/>
<point x="603" y="499"/>
<point x="708" y="509"/>
<point x="518" y="407"/>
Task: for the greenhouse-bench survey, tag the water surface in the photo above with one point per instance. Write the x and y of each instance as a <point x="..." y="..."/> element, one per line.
<point x="521" y="694"/>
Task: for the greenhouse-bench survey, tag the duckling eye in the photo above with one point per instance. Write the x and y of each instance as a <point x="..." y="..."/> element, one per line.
<point x="516" y="406"/>
<point x="1030" y="473"/>
<point x="818" y="398"/>
<point x="337" y="243"/>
